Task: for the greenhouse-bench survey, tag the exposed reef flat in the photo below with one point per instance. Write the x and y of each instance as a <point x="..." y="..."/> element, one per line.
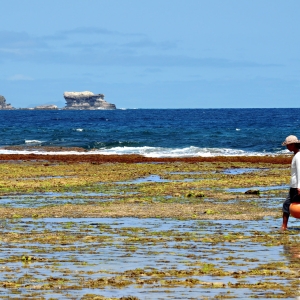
<point x="86" y="224"/>
<point x="120" y="186"/>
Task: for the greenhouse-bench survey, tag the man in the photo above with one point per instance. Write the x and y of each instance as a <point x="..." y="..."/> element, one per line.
<point x="293" y="144"/>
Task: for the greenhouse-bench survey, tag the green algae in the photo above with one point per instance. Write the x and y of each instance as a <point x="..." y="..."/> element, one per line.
<point x="193" y="256"/>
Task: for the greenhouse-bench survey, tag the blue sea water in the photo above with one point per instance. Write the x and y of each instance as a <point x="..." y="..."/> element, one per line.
<point x="153" y="132"/>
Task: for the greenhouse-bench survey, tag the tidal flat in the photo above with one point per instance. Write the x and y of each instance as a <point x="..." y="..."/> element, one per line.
<point x="130" y="227"/>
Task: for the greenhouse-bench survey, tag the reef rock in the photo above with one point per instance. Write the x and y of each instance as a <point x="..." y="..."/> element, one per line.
<point x="86" y="100"/>
<point x="4" y="105"/>
<point x="46" y="107"/>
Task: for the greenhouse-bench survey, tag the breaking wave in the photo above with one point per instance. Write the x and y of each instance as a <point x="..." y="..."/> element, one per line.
<point x="155" y="152"/>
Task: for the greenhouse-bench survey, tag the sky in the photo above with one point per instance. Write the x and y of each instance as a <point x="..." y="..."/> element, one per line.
<point x="152" y="53"/>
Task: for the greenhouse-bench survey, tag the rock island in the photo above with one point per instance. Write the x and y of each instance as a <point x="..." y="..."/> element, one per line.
<point x="86" y="100"/>
<point x="3" y="104"/>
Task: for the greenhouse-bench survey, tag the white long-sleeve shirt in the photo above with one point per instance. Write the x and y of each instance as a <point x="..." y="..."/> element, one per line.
<point x="295" y="171"/>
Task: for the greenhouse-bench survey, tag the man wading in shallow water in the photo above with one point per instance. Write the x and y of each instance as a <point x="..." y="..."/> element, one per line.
<point x="293" y="144"/>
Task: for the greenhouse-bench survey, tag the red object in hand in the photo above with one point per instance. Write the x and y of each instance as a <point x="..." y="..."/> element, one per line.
<point x="295" y="210"/>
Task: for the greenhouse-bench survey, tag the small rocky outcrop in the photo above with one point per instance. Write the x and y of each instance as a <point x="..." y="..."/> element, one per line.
<point x="46" y="107"/>
<point x="41" y="107"/>
<point x="3" y="104"/>
<point x="86" y="100"/>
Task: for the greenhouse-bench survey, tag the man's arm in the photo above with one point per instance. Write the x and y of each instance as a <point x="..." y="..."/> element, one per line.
<point x="298" y="171"/>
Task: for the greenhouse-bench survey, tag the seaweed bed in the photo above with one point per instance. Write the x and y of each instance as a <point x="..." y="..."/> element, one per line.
<point x="129" y="227"/>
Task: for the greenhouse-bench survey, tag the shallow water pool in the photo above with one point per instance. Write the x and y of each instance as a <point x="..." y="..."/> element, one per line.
<point x="147" y="258"/>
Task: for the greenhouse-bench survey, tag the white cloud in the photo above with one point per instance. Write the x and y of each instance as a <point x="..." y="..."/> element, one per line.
<point x="20" y="77"/>
<point x="97" y="31"/>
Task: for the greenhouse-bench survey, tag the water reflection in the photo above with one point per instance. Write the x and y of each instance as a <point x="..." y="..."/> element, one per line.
<point x="292" y="252"/>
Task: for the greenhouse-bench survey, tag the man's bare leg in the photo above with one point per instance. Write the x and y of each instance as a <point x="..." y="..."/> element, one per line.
<point x="285" y="219"/>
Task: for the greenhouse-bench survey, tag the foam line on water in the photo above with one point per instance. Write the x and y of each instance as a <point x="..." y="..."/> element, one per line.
<point x="155" y="152"/>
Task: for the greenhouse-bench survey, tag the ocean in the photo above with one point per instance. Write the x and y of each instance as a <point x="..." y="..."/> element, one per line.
<point x="151" y="132"/>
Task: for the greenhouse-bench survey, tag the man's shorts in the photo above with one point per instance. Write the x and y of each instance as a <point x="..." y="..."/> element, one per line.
<point x="289" y="199"/>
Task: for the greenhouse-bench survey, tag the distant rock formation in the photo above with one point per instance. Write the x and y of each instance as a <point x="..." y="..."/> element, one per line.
<point x="4" y="105"/>
<point x="46" y="107"/>
<point x="41" y="107"/>
<point x="86" y="100"/>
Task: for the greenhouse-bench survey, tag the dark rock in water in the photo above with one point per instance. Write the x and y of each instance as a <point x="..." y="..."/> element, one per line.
<point x="252" y="192"/>
<point x="3" y="104"/>
<point x="86" y="100"/>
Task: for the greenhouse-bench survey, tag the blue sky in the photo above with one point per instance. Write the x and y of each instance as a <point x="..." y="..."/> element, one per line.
<point x="152" y="53"/>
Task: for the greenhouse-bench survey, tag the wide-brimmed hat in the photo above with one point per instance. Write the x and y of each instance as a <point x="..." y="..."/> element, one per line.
<point x="291" y="139"/>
